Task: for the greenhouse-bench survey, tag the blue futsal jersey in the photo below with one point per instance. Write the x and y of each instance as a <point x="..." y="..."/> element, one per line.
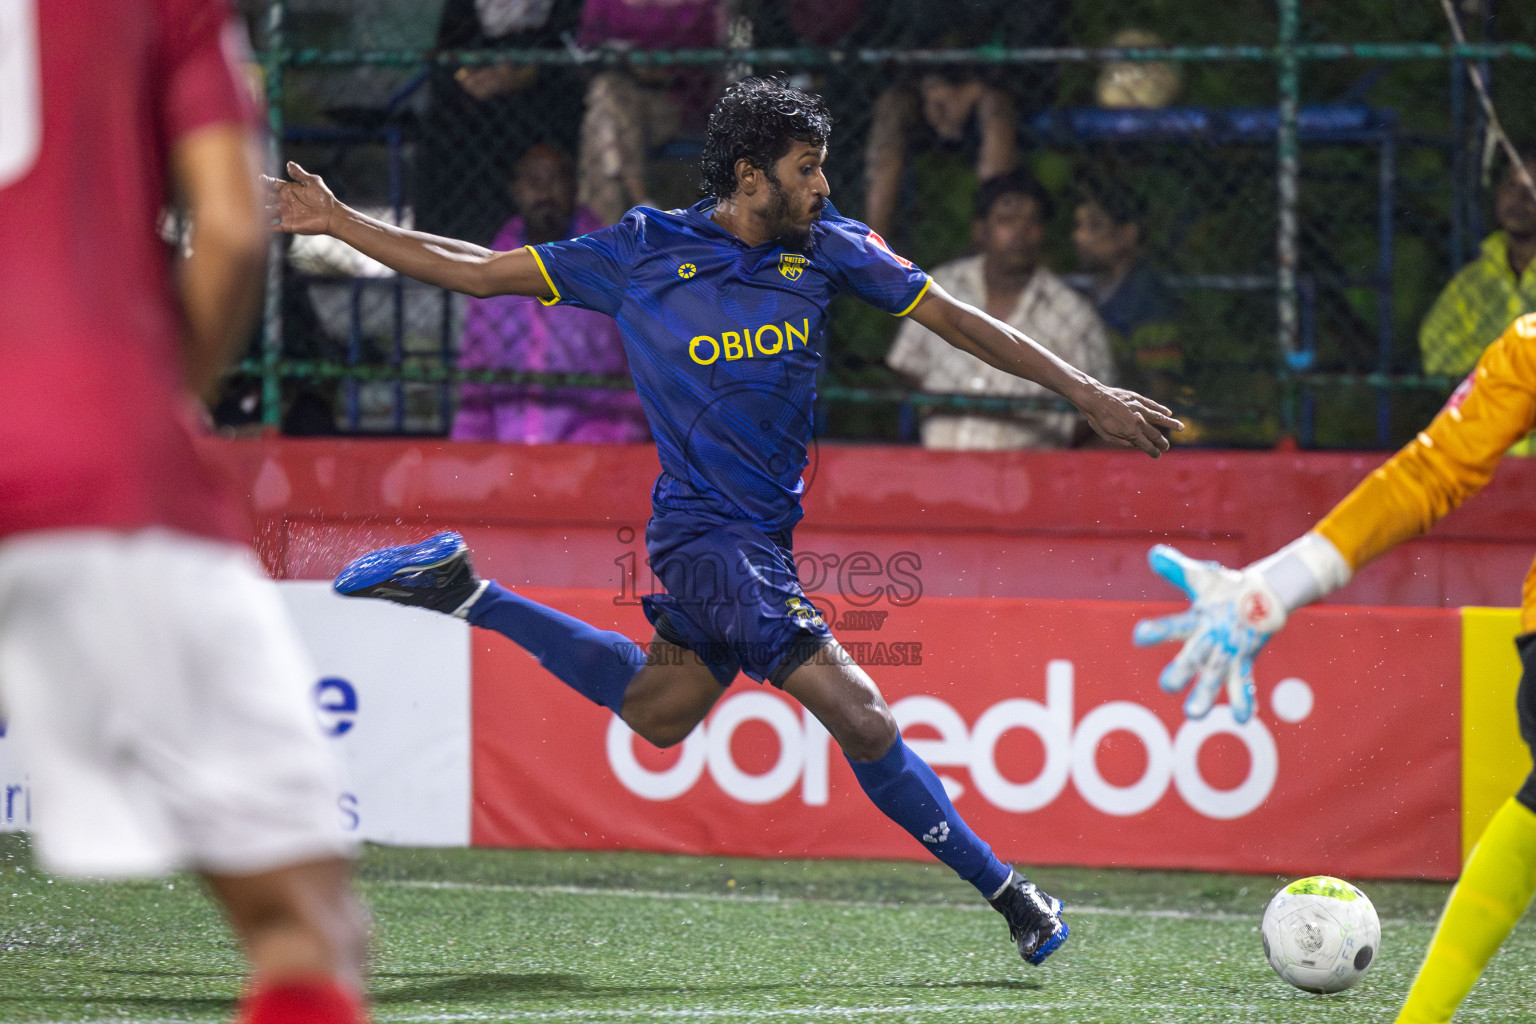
<point x="724" y="340"/>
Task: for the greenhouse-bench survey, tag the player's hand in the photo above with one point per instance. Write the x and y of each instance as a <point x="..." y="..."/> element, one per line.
<point x="1231" y="617"/>
<point x="1129" y="420"/>
<point x="302" y="206"/>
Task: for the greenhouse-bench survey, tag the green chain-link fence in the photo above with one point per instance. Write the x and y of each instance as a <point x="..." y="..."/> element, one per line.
<point x="1306" y="178"/>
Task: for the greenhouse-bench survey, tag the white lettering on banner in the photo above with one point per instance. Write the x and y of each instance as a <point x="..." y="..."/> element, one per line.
<point x="1071" y="754"/>
<point x="803" y="752"/>
<point x="1052" y="722"/>
<point x="952" y="748"/>
<point x="818" y="743"/>
<point x="776" y="781"/>
<point x="667" y="784"/>
<point x="1263" y="765"/>
<point x="1121" y="716"/>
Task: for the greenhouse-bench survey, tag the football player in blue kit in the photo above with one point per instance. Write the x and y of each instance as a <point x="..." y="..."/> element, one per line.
<point x="723" y="311"/>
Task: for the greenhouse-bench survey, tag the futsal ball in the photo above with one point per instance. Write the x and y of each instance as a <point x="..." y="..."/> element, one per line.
<point x="1321" y="934"/>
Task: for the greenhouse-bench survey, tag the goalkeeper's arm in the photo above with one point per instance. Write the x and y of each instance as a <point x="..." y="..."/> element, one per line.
<point x="1448" y="462"/>
<point x="1233" y="613"/>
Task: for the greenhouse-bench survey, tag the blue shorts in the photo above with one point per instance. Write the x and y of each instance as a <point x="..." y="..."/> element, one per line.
<point x="732" y="597"/>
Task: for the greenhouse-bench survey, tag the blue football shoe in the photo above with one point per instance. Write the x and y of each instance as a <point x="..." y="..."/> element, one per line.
<point x="1034" y="919"/>
<point x="434" y="573"/>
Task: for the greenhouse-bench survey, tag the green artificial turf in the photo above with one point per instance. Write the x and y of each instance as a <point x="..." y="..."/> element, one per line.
<point x="482" y="935"/>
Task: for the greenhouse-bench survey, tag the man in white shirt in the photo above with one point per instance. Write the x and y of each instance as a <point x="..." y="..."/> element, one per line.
<point x="1009" y="282"/>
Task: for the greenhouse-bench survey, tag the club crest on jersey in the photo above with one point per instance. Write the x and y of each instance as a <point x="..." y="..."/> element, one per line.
<point x="686" y="271"/>
<point x="792" y="266"/>
<point x="804" y="613"/>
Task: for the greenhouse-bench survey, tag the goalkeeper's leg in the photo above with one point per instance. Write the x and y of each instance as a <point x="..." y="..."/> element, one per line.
<point x="1495" y="887"/>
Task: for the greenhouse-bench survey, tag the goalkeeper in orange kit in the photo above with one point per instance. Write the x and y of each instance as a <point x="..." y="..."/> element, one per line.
<point x="1234" y="612"/>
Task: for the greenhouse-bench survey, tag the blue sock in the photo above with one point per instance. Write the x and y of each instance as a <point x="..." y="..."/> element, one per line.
<point x="908" y="792"/>
<point x="596" y="663"/>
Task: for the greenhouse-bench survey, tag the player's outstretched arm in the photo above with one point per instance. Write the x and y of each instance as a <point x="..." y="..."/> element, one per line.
<point x="306" y="206"/>
<point x="1234" y="612"/>
<point x="1119" y="416"/>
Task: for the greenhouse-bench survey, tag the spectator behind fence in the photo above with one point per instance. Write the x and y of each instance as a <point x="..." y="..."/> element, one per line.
<point x="1492" y="291"/>
<point x="951" y="109"/>
<point x="512" y="332"/>
<point x="943" y="129"/>
<point x="847" y="86"/>
<point x="630" y="111"/>
<point x="1007" y="280"/>
<point x="481" y="117"/>
<point x="1132" y="298"/>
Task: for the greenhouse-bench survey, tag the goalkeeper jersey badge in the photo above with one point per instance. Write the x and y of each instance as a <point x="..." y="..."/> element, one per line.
<point x="792" y="266"/>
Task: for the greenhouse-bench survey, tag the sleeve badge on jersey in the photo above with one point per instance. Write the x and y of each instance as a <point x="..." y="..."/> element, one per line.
<point x="879" y="243"/>
<point x="792" y="266"/>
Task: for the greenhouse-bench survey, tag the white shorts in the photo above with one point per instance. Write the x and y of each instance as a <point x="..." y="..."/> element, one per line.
<point x="159" y="697"/>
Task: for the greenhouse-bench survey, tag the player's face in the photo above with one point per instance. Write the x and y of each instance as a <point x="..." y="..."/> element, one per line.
<point x="1514" y="206"/>
<point x="1011" y="234"/>
<point x="797" y="193"/>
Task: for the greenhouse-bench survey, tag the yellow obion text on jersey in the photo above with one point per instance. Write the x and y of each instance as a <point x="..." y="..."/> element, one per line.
<point x="747" y="343"/>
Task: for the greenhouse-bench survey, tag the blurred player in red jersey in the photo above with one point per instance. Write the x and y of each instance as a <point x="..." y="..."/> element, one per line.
<point x="155" y="687"/>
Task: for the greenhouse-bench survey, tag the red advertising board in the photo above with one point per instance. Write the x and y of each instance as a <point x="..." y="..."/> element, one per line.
<point x="1080" y="520"/>
<point x="1046" y="724"/>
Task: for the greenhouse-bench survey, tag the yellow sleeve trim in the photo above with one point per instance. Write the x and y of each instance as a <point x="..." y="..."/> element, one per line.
<point x="547" y="279"/>
<point x="913" y="304"/>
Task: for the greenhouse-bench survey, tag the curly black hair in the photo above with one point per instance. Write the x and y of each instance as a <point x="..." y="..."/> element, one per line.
<point x="755" y="121"/>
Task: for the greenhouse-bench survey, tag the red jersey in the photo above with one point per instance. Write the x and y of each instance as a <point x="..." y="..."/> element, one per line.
<point x="95" y="427"/>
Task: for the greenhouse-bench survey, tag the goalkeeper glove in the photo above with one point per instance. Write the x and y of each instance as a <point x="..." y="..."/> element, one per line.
<point x="1232" y="615"/>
